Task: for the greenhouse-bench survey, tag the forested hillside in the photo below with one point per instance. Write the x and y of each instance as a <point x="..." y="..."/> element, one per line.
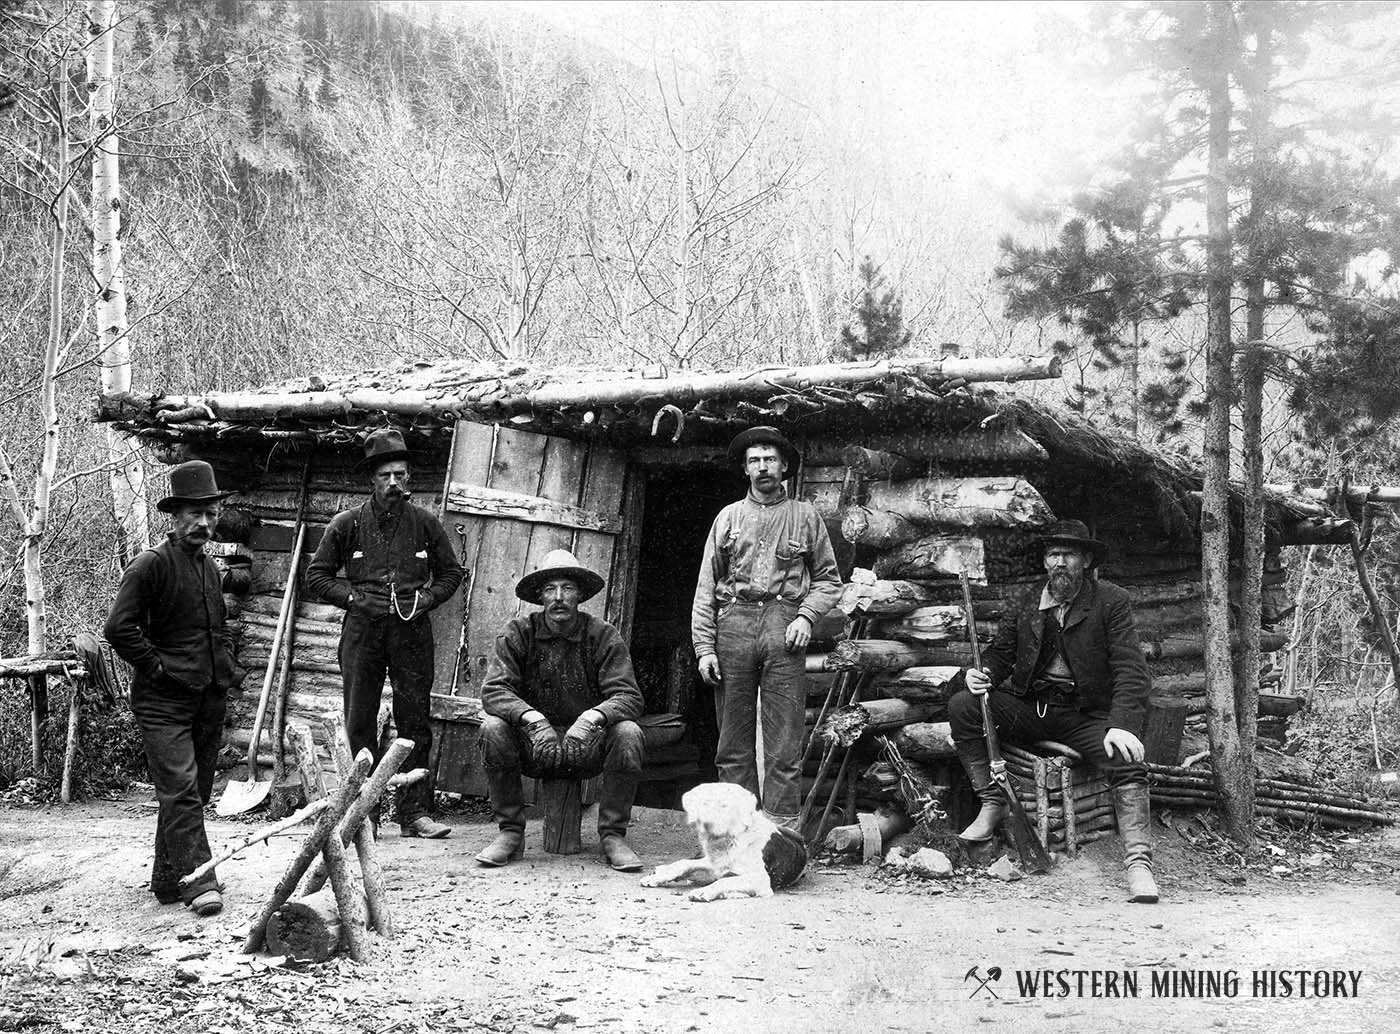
<point x="338" y="184"/>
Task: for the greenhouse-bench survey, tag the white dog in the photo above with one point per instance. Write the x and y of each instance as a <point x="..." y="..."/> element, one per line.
<point x="745" y="854"/>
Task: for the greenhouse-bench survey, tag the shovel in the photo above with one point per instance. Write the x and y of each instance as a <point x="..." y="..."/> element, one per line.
<point x="239" y="797"/>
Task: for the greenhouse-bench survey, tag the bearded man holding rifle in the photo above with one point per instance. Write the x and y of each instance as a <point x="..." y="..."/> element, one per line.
<point x="1067" y="667"/>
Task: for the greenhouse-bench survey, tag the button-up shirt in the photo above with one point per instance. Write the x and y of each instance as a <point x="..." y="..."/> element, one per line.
<point x="760" y="551"/>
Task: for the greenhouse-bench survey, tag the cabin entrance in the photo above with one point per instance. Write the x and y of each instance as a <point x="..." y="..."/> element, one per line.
<point x="679" y="506"/>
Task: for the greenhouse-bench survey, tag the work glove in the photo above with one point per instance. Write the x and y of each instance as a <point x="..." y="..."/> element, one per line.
<point x="544" y="744"/>
<point x="582" y="738"/>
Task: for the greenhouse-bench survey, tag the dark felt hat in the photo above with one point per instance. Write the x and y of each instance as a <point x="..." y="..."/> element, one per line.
<point x="1071" y="533"/>
<point x="763" y="435"/>
<point x="559" y="563"/>
<point x="191" y="482"/>
<point x="383" y="446"/>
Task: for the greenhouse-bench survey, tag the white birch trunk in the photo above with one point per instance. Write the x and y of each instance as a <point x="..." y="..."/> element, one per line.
<point x="127" y="476"/>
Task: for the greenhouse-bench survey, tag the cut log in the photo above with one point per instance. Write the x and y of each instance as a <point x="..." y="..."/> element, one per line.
<point x="878" y="529"/>
<point x="563" y="812"/>
<point x="308" y="929"/>
<point x="879" y="465"/>
<point x="930" y="684"/>
<point x="59" y="662"/>
<point x="872" y="655"/>
<point x="868" y="594"/>
<point x="1161" y="735"/>
<point x="936" y="556"/>
<point x="928" y="742"/>
<point x="268" y="604"/>
<point x="522" y="397"/>
<point x="963" y="502"/>
<point x="1001" y="444"/>
<point x="349" y="898"/>
<point x="847" y="724"/>
<point x="924" y="625"/>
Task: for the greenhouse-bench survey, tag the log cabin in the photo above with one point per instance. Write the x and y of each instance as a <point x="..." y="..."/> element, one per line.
<point x="919" y="466"/>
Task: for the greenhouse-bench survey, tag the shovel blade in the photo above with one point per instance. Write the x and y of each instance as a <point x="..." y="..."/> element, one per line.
<point x="242" y="795"/>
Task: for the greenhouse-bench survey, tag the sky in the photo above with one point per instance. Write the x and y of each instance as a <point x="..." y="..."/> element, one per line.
<point x="977" y="92"/>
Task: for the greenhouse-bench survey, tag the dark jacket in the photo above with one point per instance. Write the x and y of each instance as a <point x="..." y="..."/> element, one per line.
<point x="168" y="620"/>
<point x="561" y="676"/>
<point x="1100" y="644"/>
<point x="409" y="551"/>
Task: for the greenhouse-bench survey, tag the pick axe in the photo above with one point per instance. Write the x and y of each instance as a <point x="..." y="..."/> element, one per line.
<point x="1034" y="857"/>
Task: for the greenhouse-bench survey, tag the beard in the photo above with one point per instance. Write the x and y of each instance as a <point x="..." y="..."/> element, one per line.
<point x="1064" y="586"/>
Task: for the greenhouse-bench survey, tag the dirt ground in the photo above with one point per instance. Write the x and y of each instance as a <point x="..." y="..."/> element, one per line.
<point x="562" y="943"/>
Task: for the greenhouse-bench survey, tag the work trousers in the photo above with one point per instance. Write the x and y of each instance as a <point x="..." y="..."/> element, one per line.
<point x="1024" y="720"/>
<point x="753" y="656"/>
<point x="370" y="648"/>
<point x="505" y="748"/>
<point x="180" y="729"/>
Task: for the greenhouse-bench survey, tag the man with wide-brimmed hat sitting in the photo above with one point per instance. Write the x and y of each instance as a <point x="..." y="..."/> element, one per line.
<point x="399" y="565"/>
<point x="767" y="576"/>
<point x="561" y="702"/>
<point x="168" y="622"/>
<point x="1067" y="666"/>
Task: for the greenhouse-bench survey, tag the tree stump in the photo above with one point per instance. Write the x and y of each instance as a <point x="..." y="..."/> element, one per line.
<point x="308" y="929"/>
<point x="1162" y="731"/>
<point x="562" y="800"/>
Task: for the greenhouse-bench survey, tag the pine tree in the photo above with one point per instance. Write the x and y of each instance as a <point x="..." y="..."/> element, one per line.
<point x="261" y="113"/>
<point x="1229" y="81"/>
<point x="1111" y="271"/>
<point x="141" y="44"/>
<point x="881" y="318"/>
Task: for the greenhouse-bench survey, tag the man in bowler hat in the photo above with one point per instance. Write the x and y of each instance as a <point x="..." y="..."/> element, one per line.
<point x="767" y="576"/>
<point x="169" y="623"/>
<point x="398" y="566"/>
<point x="1067" y="666"/>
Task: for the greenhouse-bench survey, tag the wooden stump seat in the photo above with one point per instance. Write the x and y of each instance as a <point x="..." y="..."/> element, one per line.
<point x="562" y="802"/>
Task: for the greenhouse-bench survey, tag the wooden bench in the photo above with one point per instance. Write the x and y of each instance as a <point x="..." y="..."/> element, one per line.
<point x="1047" y="775"/>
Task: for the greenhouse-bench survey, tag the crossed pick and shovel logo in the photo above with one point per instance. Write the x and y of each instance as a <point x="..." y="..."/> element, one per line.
<point x="983" y="983"/>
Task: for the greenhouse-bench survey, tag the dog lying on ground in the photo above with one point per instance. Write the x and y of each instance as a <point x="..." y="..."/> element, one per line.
<point x="745" y="854"/>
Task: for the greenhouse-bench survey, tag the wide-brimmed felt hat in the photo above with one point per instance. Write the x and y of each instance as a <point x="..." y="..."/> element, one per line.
<point x="383" y="446"/>
<point x="1071" y="533"/>
<point x="191" y="482"/>
<point x="763" y="435"/>
<point x="559" y="563"/>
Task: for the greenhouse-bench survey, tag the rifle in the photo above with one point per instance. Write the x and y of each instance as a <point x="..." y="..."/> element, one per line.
<point x="1034" y="857"/>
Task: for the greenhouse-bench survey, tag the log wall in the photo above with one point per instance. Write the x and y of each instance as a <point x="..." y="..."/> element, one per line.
<point x="907" y="533"/>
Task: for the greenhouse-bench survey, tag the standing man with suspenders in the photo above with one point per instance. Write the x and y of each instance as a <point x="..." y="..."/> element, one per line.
<point x="767" y="577"/>
<point x="399" y="565"/>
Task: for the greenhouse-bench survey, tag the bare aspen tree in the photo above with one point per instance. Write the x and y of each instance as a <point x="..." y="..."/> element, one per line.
<point x="127" y="476"/>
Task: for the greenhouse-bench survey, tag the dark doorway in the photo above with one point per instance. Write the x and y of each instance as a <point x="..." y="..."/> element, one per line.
<point x="679" y="507"/>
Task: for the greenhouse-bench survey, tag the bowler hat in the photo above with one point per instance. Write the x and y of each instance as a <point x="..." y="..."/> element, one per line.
<point x="383" y="446"/>
<point x="559" y="563"/>
<point x="1071" y="533"/>
<point x="763" y="435"/>
<point x="191" y="482"/>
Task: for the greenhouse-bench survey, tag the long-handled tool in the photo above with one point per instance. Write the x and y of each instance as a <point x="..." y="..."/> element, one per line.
<point x="1034" y="857"/>
<point x="239" y="797"/>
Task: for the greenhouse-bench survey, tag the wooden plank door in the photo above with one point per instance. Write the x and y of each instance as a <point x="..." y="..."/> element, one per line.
<point x="510" y="497"/>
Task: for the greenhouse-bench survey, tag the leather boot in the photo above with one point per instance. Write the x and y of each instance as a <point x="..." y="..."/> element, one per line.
<point x="508" y="805"/>
<point x="1132" y="803"/>
<point x="614" y="813"/>
<point x="975" y="763"/>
